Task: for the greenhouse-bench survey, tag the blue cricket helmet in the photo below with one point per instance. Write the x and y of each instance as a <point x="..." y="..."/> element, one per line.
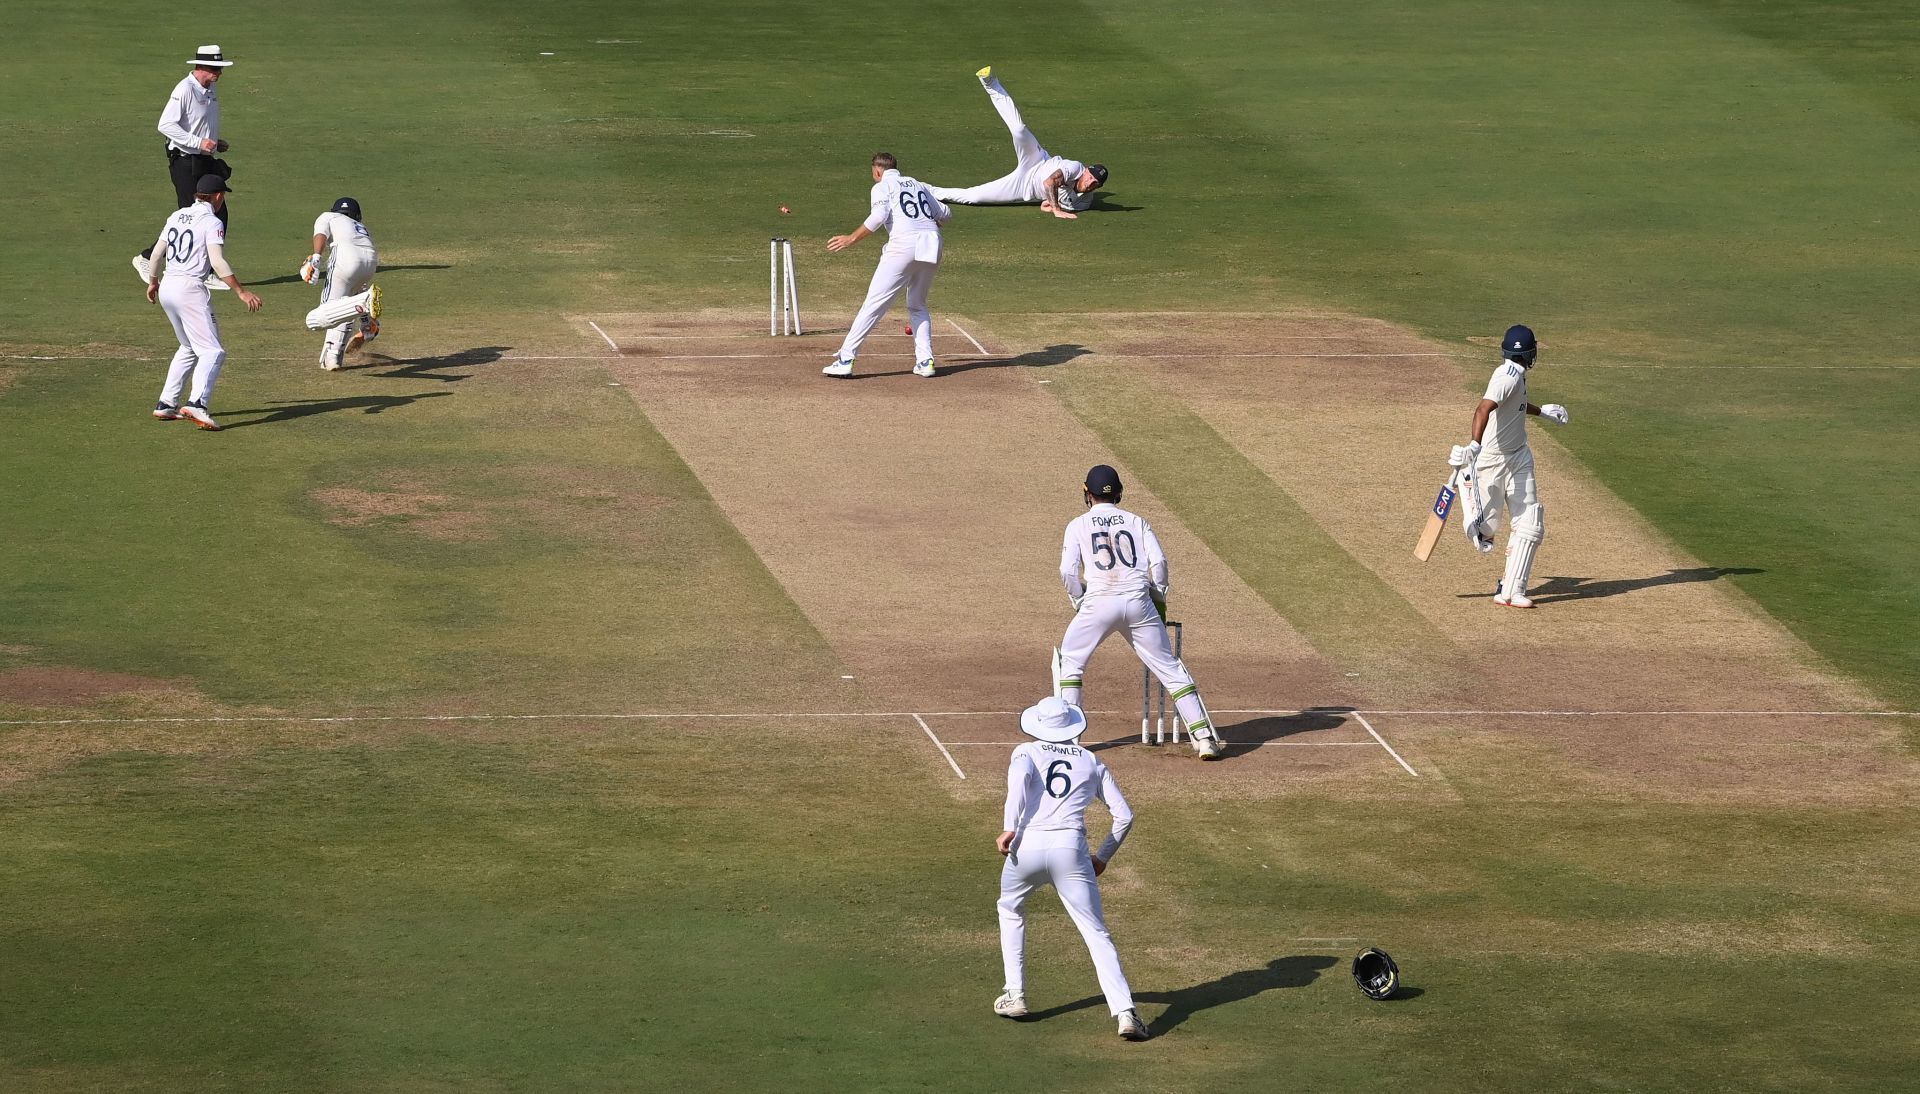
<point x="1519" y="344"/>
<point x="352" y="208"/>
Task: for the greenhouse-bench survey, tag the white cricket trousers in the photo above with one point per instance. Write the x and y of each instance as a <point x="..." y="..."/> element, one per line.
<point x="189" y="307"/>
<point x="898" y="270"/>
<point x="1008" y="189"/>
<point x="1070" y="871"/>
<point x="352" y="271"/>
<point x="340" y="309"/>
<point x="1506" y="482"/>
<point x="1133" y="613"/>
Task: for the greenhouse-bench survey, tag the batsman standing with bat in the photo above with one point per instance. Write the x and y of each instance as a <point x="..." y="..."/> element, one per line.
<point x="1497" y="467"/>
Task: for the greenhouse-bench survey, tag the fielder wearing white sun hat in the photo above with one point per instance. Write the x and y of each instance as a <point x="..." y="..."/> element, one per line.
<point x="1052" y="720"/>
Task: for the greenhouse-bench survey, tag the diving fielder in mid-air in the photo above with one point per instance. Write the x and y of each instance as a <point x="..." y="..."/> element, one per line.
<point x="912" y="216"/>
<point x="350" y="272"/>
<point x="1061" y="186"/>
<point x="1502" y="467"/>
<point x="1116" y="577"/>
<point x="1050" y="782"/>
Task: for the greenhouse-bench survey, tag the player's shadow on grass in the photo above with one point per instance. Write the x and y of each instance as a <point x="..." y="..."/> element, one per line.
<point x="1039" y="358"/>
<point x="424" y="368"/>
<point x="1249" y="735"/>
<point x="290" y="409"/>
<point x="1582" y="588"/>
<point x="288" y="279"/>
<point x="1183" y="1003"/>
<point x="1102" y="203"/>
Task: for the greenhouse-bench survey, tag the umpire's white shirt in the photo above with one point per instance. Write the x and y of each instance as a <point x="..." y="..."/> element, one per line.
<point x="192" y="115"/>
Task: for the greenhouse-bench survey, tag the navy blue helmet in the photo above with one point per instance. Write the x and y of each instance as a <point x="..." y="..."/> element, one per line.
<point x="1519" y="345"/>
<point x="352" y="209"/>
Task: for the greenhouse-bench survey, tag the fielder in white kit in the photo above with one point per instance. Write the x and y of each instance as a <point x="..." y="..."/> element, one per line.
<point x="1116" y="577"/>
<point x="1050" y="783"/>
<point x="350" y="272"/>
<point x="911" y="215"/>
<point x="190" y="248"/>
<point x="1060" y="185"/>
<point x="1502" y="467"/>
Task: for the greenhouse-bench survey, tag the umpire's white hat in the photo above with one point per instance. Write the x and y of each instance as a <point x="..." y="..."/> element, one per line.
<point x="1051" y="719"/>
<point x="210" y="57"/>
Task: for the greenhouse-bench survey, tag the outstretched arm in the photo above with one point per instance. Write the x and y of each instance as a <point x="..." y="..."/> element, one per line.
<point x="841" y="243"/>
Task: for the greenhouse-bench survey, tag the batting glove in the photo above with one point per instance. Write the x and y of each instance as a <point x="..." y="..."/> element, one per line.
<point x="1555" y="411"/>
<point x="1473" y="453"/>
<point x="310" y="270"/>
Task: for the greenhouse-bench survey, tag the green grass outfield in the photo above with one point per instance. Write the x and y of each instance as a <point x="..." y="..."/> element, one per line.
<point x="1704" y="208"/>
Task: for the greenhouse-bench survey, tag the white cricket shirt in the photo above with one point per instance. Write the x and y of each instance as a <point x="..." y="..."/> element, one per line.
<point x="1036" y="180"/>
<point x="910" y="213"/>
<point x="1506" y="430"/>
<point x="185" y="240"/>
<point x="192" y="115"/>
<point x="344" y="231"/>
<point x="1113" y="552"/>
<point x="1049" y="787"/>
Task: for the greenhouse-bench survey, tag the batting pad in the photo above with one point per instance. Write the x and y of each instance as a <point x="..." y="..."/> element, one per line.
<point x="335" y="312"/>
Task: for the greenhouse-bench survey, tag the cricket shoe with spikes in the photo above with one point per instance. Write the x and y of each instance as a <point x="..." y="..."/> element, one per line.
<point x="1131" y="1027"/>
<point x="985" y="73"/>
<point x="924" y="368"/>
<point x="838" y="368"/>
<point x="166" y="412"/>
<point x="216" y="283"/>
<point x="373" y="306"/>
<point x="1010" y="1005"/>
<point x="143" y="265"/>
<point x="197" y="414"/>
<point x="1209" y="747"/>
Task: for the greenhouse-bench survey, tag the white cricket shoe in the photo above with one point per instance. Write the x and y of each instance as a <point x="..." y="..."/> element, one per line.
<point x="1010" y="1005"/>
<point x="838" y="368"/>
<point x="1208" y="748"/>
<point x="166" y="412"/>
<point x="1517" y="600"/>
<point x="924" y="368"/>
<point x="143" y="266"/>
<point x="1132" y="1028"/>
<point x="198" y="415"/>
<point x="212" y="282"/>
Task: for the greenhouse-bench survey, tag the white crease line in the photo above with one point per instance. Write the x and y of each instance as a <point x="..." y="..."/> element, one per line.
<point x="1385" y="745"/>
<point x="1124" y="740"/>
<point x="1094" y="355"/>
<point x="778" y="715"/>
<point x="611" y="344"/>
<point x="936" y="743"/>
<point x="968" y="337"/>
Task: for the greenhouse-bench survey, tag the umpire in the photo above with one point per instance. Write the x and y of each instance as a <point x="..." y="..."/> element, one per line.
<point x="191" y="124"/>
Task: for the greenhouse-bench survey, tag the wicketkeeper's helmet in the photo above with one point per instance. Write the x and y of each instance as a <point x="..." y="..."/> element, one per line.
<point x="1376" y="973"/>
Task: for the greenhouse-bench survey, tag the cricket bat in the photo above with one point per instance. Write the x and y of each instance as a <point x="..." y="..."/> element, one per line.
<point x="1437" y="520"/>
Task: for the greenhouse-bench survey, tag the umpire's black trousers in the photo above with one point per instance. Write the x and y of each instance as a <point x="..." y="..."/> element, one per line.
<point x="186" y="169"/>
